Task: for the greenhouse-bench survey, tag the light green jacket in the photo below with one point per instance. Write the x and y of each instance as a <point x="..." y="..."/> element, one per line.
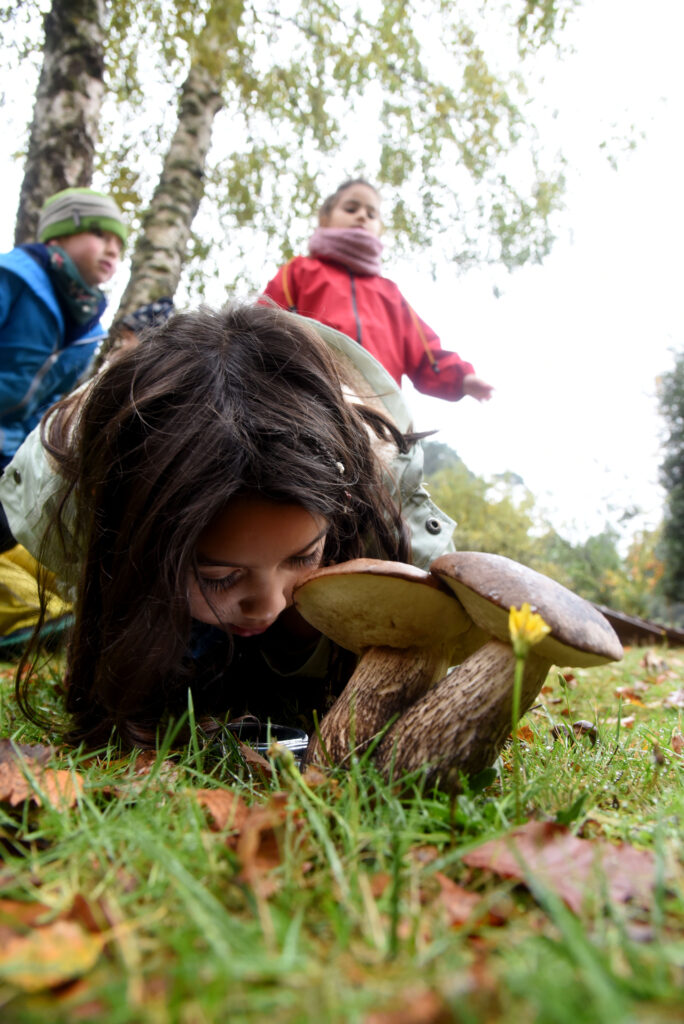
<point x="30" y="486"/>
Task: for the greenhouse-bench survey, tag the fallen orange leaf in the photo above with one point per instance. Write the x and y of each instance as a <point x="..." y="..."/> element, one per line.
<point x="49" y="956"/>
<point x="59" y="786"/>
<point x="257" y="845"/>
<point x="226" y="809"/>
<point x="626" y="722"/>
<point x="18" y="912"/>
<point x="458" y="902"/>
<point x="575" y="869"/>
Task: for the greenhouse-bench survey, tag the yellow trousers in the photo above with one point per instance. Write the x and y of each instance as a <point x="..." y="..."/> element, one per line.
<point x="19" y="604"/>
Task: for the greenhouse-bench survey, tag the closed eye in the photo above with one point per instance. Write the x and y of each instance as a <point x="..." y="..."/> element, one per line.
<point x="306" y="560"/>
<point x="220" y="583"/>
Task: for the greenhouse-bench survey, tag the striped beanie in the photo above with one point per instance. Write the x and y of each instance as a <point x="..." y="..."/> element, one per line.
<point x="79" y="209"/>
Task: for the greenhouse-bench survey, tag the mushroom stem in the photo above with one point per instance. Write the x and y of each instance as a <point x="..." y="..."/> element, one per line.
<point x="461" y="724"/>
<point x="385" y="682"/>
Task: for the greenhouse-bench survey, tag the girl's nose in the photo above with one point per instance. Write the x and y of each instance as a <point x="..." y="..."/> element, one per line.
<point x="265" y="604"/>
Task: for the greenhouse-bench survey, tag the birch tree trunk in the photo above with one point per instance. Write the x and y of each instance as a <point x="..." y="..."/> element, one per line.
<point x="160" y="250"/>
<point x="66" y="113"/>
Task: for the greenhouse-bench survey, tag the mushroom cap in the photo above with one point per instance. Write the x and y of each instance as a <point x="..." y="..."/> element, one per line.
<point x="488" y="585"/>
<point x="367" y="602"/>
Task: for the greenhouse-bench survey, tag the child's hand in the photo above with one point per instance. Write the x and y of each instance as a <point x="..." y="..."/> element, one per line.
<point x="477" y="388"/>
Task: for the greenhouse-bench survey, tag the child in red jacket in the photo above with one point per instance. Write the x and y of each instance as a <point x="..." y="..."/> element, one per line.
<point x="340" y="284"/>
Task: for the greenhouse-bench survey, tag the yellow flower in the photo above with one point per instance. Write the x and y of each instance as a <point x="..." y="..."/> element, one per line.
<point x="527" y="628"/>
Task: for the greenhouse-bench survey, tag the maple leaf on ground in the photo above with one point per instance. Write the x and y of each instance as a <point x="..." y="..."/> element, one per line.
<point x="31" y="752"/>
<point x="257" y="845"/>
<point x="458" y="902"/>
<point x="24" y="777"/>
<point x="49" y="955"/>
<point x="227" y="809"/>
<point x="463" y="906"/>
<point x="626" y="721"/>
<point x="577" y="870"/>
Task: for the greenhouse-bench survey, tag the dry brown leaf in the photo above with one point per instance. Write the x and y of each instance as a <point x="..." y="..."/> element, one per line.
<point x="627" y="692"/>
<point x="626" y="722"/>
<point x="9" y="751"/>
<point x="575" y="869"/>
<point x="59" y="786"/>
<point x="422" y="1007"/>
<point x="49" y="956"/>
<point x="16" y="914"/>
<point x="458" y="902"/>
<point x="677" y="742"/>
<point x="314" y="776"/>
<point x="144" y="762"/>
<point x="257" y="844"/>
<point x="424" y="854"/>
<point x="526" y="734"/>
<point x="253" y="757"/>
<point x="378" y="883"/>
<point x="226" y="809"/>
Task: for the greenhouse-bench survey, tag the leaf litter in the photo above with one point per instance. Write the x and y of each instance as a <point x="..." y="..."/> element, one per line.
<point x="577" y="870"/>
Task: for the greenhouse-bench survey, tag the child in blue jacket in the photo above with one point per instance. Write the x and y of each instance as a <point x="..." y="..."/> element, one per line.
<point x="50" y="309"/>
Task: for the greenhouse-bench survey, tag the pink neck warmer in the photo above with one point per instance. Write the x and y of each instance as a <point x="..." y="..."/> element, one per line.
<point x="354" y="248"/>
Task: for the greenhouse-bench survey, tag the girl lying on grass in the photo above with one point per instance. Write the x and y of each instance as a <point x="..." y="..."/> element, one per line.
<point x="187" y="490"/>
<point x="183" y="494"/>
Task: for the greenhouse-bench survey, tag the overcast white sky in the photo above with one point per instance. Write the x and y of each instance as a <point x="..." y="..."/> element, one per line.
<point x="573" y="347"/>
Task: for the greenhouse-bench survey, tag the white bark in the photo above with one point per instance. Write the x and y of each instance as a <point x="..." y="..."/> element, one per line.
<point x="66" y="113"/>
<point x="161" y="247"/>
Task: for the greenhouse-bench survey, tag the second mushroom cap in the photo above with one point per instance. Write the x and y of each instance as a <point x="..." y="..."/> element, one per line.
<point x="488" y="585"/>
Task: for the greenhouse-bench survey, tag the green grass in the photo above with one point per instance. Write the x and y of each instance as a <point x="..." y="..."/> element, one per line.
<point x="349" y="923"/>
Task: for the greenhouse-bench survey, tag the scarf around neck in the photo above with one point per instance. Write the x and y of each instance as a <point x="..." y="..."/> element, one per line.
<point x="354" y="248"/>
<point x="80" y="299"/>
<point x="81" y="305"/>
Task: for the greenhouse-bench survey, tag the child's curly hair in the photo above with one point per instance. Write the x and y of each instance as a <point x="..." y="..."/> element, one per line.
<point x="247" y="400"/>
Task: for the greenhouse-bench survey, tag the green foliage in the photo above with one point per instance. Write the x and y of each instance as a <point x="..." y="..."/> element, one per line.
<point x="672" y="479"/>
<point x="444" y="127"/>
<point x="500" y="516"/>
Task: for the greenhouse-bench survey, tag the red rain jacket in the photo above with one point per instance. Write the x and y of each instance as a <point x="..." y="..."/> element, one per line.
<point x="371" y="310"/>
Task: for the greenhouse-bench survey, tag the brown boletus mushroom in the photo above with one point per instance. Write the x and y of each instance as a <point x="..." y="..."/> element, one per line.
<point x="407" y="629"/>
<point x="462" y="723"/>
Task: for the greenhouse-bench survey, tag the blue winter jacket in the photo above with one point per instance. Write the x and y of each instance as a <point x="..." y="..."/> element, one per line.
<point x="37" y="365"/>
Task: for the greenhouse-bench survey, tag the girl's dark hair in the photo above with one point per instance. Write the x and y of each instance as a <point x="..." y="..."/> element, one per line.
<point x="329" y="204"/>
<point x="212" y="405"/>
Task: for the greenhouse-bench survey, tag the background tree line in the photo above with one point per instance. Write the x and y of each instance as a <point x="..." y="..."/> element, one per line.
<point x="501" y="515"/>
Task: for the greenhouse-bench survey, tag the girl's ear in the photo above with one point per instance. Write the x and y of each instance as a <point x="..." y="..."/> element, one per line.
<point x="323" y="220"/>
